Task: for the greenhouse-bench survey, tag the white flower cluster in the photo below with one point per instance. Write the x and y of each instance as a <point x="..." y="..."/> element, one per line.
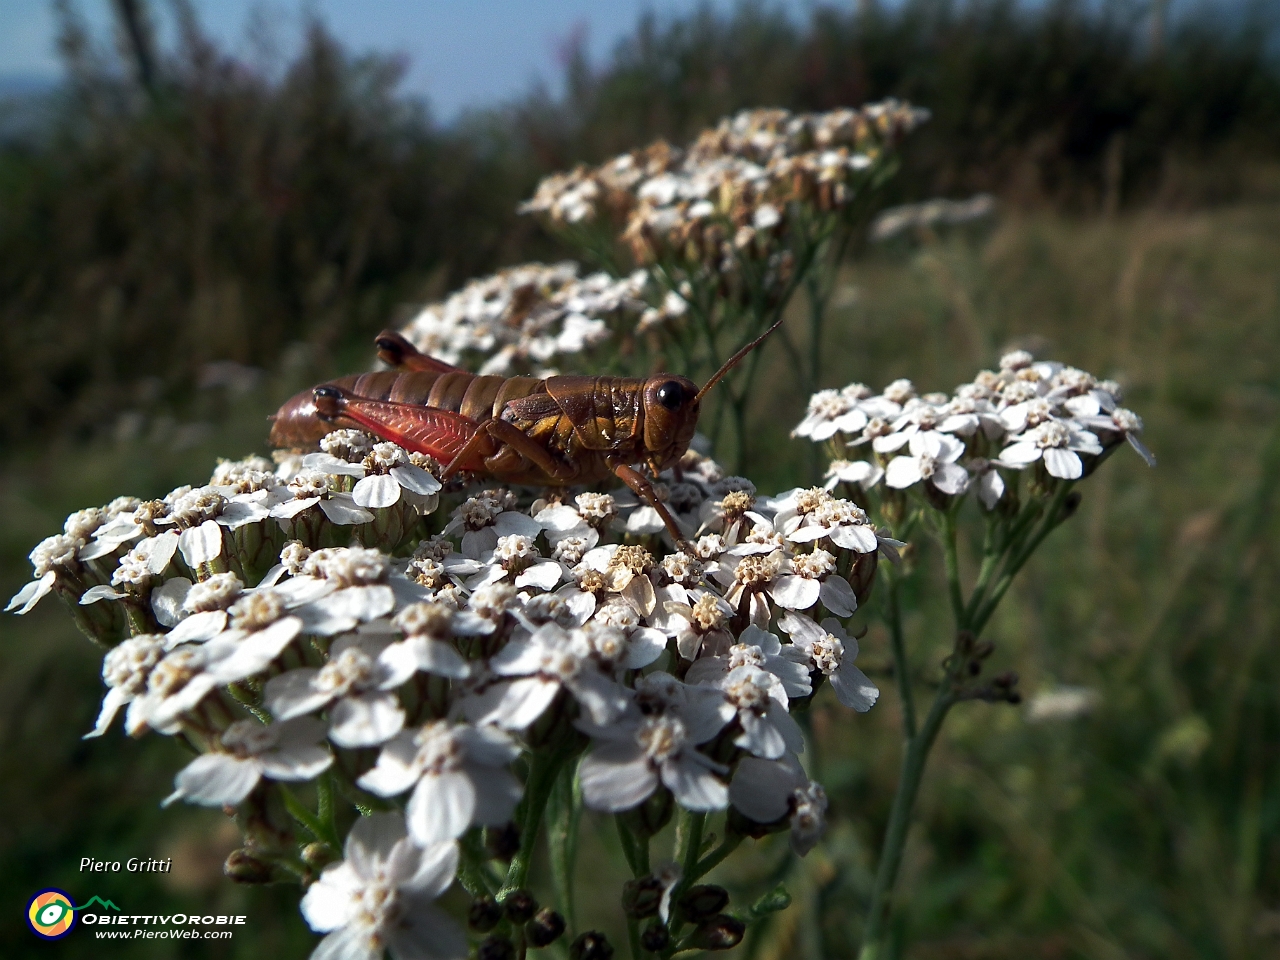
<point x="930" y="214"/>
<point x="423" y="663"/>
<point x="734" y="193"/>
<point x="522" y="318"/>
<point x="1029" y="413"/>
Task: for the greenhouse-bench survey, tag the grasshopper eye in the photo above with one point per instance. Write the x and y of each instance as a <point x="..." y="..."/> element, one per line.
<point x="671" y="395"/>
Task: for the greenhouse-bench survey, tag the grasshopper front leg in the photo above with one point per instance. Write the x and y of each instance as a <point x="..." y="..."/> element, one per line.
<point x="643" y="489"/>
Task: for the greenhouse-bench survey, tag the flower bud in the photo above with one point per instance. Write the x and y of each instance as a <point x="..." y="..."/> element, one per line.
<point x="318" y="855"/>
<point x="721" y="932"/>
<point x="519" y="906"/>
<point x="655" y="937"/>
<point x="496" y="948"/>
<point x="651" y="816"/>
<point x="641" y="897"/>
<point x="591" y="945"/>
<point x="862" y="576"/>
<point x="702" y="901"/>
<point x="503" y="842"/>
<point x="243" y="867"/>
<point x="484" y="914"/>
<point x="545" y="928"/>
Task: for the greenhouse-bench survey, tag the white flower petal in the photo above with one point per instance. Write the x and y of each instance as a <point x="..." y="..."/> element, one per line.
<point x="759" y="737"/>
<point x="197" y="628"/>
<point x="291" y="508"/>
<point x="376" y="490"/>
<point x="237" y="514"/>
<point x="366" y="720"/>
<point x="509" y="522"/>
<point x="796" y="593"/>
<point x="291" y="694"/>
<point x="1064" y="464"/>
<point x="1020" y="453"/>
<point x="163" y="547"/>
<point x="856" y="536"/>
<point x="524" y="702"/>
<point x="394" y="773"/>
<point x="416" y="480"/>
<point x="838" y="596"/>
<point x="544" y="574"/>
<point x="561" y="519"/>
<point x="297" y="764"/>
<point x="497" y="793"/>
<point x="341" y="610"/>
<point x="100" y="592"/>
<point x="761" y="789"/>
<point x="951" y="479"/>
<point x="436" y="868"/>
<point x="645" y="645"/>
<point x="441" y="807"/>
<point x="328" y="463"/>
<point x="341" y="509"/>
<point x="990" y="488"/>
<point x="902" y="472"/>
<point x="695" y="787"/>
<point x="167" y="600"/>
<point x="853" y="687"/>
<point x="215" y="780"/>
<point x="1138" y="445"/>
<point x="32" y="593"/>
<point x="202" y="544"/>
<point x="615" y="777"/>
<point x="111" y="704"/>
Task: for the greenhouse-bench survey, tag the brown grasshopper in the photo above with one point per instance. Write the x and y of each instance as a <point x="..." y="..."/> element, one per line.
<point x="555" y="431"/>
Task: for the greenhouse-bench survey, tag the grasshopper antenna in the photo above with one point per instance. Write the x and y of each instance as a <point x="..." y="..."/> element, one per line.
<point x="733" y="361"/>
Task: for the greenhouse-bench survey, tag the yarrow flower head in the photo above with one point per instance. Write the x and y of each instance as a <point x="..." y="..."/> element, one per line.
<point x="381" y="896"/>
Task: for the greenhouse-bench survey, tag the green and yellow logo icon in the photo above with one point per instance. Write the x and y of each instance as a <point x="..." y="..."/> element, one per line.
<point x="51" y="914"/>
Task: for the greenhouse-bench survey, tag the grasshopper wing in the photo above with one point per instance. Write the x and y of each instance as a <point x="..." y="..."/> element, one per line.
<point x="438" y="433"/>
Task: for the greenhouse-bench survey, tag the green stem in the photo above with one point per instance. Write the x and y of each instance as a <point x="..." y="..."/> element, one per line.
<point x="990" y="562"/>
<point x="565" y="809"/>
<point x="952" y="561"/>
<point x="913" y="763"/>
<point x="630" y="852"/>
<point x="688" y="847"/>
<point x="897" y="639"/>
<point x="470" y="872"/>
<point x="633" y="936"/>
<point x="309" y="821"/>
<point x="325" y="811"/>
<point x="1052" y="518"/>
<point x="714" y="858"/>
<point x="537" y="791"/>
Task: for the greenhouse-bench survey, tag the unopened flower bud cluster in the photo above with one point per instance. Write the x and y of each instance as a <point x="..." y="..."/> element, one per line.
<point x="736" y="195"/>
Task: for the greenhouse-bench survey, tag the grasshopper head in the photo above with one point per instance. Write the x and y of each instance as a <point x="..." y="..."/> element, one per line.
<point x="670" y="416"/>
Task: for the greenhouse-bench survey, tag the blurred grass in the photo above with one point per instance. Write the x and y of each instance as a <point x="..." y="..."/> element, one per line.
<point x="1152" y="827"/>
<point x="1149" y="829"/>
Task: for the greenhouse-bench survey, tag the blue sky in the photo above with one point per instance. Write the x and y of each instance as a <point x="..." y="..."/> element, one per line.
<point x="462" y="53"/>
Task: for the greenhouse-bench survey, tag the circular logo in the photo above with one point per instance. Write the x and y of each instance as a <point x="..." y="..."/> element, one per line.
<point x="51" y="914"/>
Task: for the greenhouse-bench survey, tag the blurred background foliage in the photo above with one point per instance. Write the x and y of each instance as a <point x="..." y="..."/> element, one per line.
<point x="186" y="238"/>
